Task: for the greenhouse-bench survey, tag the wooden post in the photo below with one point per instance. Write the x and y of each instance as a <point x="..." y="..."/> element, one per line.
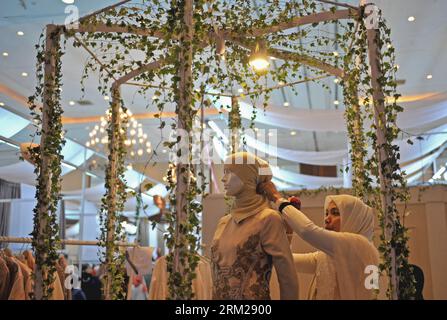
<point x="184" y="101"/>
<point x="373" y="36"/>
<point x="112" y="175"/>
<point x="45" y="174"/>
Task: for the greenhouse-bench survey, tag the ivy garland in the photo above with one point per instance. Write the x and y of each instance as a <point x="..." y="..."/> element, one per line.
<point x="112" y="203"/>
<point x="45" y="233"/>
<point x="358" y="82"/>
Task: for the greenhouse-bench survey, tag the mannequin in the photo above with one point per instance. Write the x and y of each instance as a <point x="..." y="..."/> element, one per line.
<point x="250" y="240"/>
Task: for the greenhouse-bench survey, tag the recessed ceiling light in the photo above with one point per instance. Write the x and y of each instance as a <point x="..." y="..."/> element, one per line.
<point x="72" y="103"/>
<point x="286" y="104"/>
<point x="24" y="74"/>
<point x="336" y="102"/>
<point x="429" y="76"/>
<point x="20" y="33"/>
<point x="411" y="18"/>
<point x="5" y="54"/>
<point x="292" y="133"/>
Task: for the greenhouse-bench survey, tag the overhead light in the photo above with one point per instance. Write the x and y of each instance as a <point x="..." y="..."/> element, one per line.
<point x="429" y="76"/>
<point x="24" y="74"/>
<point x="293" y="133"/>
<point x="286" y="104"/>
<point x="411" y="18"/>
<point x="2" y="104"/>
<point x="71" y="103"/>
<point x="20" y="33"/>
<point x="336" y="102"/>
<point x="68" y="1"/>
<point x="259" y="59"/>
<point x="106" y="98"/>
<point x="5" y="54"/>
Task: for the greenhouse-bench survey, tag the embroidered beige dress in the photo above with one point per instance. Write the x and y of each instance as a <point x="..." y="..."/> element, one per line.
<point x="243" y="253"/>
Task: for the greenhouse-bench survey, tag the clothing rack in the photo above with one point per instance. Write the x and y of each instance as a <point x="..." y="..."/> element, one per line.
<point x="66" y="242"/>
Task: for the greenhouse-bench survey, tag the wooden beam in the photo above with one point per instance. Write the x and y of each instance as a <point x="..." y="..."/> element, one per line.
<point x="137" y="116"/>
<point x="385" y="171"/>
<point x="296" y="22"/>
<point x="45" y="175"/>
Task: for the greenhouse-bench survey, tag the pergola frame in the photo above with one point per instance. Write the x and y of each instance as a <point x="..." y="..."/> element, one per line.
<point x="54" y="33"/>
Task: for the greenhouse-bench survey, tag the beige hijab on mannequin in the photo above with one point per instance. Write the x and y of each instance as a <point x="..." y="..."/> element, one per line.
<point x="251" y="170"/>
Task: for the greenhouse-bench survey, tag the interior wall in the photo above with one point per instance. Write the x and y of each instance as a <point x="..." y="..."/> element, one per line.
<point x="426" y="218"/>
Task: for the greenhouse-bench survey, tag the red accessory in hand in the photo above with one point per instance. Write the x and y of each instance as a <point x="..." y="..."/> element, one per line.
<point x="296" y="202"/>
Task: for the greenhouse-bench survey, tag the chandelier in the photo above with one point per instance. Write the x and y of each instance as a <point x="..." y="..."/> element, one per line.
<point x="137" y="142"/>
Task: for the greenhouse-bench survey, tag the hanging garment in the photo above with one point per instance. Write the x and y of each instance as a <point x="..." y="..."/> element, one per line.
<point x="17" y="291"/>
<point x="30" y="261"/>
<point x="141" y="259"/>
<point x="4" y="280"/>
<point x="27" y="279"/>
<point x="58" y="291"/>
<point x="201" y="284"/>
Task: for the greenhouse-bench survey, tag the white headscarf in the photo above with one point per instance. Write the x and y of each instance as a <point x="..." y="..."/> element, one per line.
<point x="356" y="216"/>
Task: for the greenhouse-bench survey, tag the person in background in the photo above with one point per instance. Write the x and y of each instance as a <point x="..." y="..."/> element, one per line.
<point x="90" y="284"/>
<point x="138" y="288"/>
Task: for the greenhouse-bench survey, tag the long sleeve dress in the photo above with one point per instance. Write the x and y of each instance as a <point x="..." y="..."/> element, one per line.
<point x="339" y="265"/>
<point x="243" y="253"/>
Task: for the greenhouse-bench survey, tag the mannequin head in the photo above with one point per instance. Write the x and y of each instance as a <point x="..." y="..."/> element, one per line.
<point x="233" y="185"/>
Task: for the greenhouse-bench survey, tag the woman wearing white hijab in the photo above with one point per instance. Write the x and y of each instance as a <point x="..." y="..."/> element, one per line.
<point x="345" y="247"/>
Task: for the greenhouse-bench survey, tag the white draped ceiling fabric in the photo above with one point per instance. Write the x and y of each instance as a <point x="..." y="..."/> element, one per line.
<point x="419" y="112"/>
